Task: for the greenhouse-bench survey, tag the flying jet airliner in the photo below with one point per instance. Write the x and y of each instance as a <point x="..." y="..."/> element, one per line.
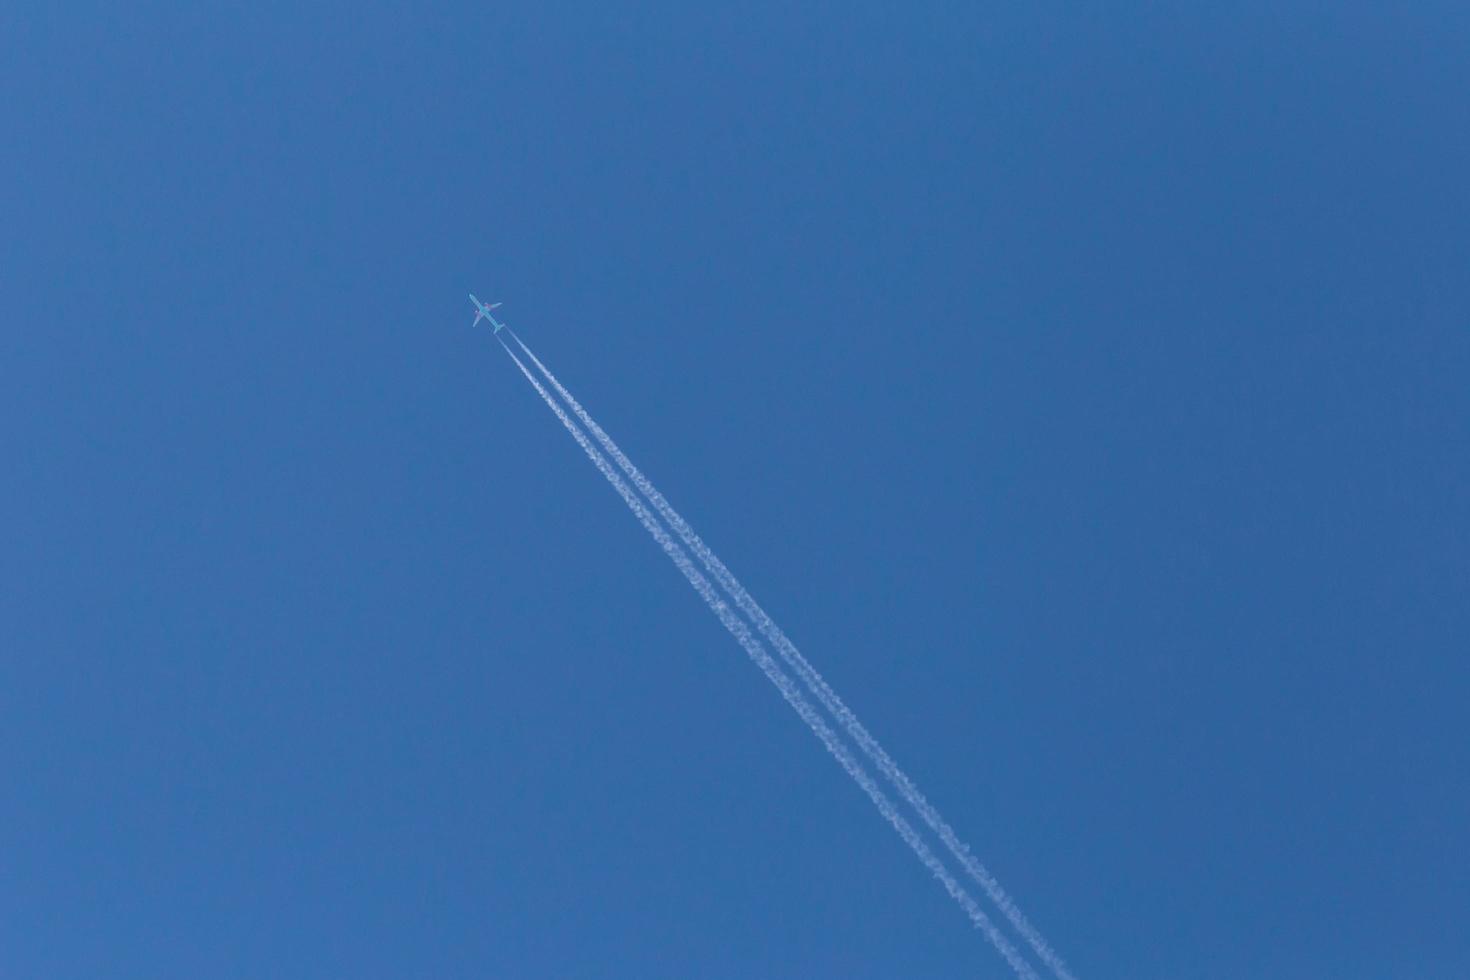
<point x="484" y="313"/>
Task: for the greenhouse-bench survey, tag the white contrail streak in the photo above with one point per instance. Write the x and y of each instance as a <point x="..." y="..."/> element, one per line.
<point x="814" y="681"/>
<point x="788" y="690"/>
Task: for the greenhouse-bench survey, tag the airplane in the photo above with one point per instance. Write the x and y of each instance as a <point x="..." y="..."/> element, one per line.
<point x="484" y="313"/>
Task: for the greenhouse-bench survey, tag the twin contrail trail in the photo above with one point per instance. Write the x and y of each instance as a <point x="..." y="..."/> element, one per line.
<point x="763" y="660"/>
<point x="809" y="676"/>
<point x="814" y="681"/>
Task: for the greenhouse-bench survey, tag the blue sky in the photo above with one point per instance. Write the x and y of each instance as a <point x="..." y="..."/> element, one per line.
<point x="1087" y="392"/>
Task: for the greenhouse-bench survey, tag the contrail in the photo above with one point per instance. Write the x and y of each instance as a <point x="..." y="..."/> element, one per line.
<point x="814" y="681"/>
<point x="788" y="690"/>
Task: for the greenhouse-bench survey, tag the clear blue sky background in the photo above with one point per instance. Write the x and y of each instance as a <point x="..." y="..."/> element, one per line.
<point x="1087" y="391"/>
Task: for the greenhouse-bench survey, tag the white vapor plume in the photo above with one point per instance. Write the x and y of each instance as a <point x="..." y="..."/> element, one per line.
<point x="814" y="681"/>
<point x="789" y="691"/>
